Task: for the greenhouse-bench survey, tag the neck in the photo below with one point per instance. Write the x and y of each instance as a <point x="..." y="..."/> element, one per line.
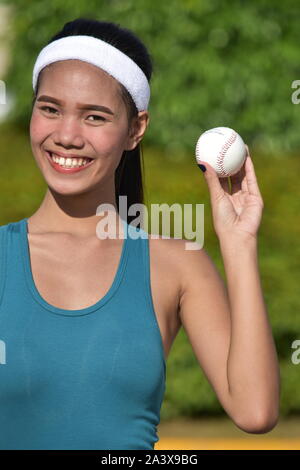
<point x="74" y="214"/>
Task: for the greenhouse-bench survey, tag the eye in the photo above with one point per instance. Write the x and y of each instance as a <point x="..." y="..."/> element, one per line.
<point x="101" y="118"/>
<point x="44" y="108"/>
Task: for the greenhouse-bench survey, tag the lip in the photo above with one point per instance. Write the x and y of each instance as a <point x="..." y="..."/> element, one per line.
<point x="60" y="169"/>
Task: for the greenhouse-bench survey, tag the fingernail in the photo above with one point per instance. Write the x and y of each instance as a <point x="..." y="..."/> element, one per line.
<point x="202" y="167"/>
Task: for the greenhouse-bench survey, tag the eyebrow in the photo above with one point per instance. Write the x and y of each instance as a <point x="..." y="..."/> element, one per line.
<point x="94" y="107"/>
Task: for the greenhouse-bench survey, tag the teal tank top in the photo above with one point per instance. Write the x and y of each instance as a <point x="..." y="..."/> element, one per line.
<point x="92" y="378"/>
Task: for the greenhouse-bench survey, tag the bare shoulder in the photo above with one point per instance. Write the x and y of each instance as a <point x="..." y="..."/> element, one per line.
<point x="181" y="263"/>
<point x="185" y="257"/>
<point x="165" y="258"/>
<point x="189" y="273"/>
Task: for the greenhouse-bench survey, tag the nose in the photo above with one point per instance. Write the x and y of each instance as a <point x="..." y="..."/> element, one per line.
<point x="68" y="133"/>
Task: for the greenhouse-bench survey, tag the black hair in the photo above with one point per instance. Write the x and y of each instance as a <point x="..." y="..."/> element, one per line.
<point x="129" y="173"/>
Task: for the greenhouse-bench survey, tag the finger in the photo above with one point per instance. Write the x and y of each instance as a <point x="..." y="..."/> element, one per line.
<point x="244" y="181"/>
<point x="251" y="178"/>
<point x="213" y="182"/>
<point x="239" y="180"/>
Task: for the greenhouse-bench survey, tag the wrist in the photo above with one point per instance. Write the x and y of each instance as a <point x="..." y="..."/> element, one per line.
<point x="235" y="242"/>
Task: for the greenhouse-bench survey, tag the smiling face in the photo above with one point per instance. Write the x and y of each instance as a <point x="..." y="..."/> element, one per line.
<point x="60" y="124"/>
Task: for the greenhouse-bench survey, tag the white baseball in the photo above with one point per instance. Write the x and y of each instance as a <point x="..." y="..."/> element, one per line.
<point x="223" y="148"/>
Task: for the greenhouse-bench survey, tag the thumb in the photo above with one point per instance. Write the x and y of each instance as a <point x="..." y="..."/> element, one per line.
<point x="212" y="179"/>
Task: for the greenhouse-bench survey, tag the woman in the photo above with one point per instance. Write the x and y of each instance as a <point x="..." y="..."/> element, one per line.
<point x="87" y="329"/>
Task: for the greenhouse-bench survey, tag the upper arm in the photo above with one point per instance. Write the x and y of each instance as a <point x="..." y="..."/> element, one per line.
<point x="205" y="316"/>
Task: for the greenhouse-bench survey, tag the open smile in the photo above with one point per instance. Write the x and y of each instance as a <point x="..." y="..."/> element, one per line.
<point x="68" y="165"/>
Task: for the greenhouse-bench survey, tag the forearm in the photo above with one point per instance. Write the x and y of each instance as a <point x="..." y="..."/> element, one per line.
<point x="252" y="364"/>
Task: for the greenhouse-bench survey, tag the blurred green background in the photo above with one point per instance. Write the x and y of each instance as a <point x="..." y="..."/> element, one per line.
<point x="216" y="63"/>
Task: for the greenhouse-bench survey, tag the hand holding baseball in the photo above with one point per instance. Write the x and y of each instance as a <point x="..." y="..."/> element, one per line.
<point x="239" y="212"/>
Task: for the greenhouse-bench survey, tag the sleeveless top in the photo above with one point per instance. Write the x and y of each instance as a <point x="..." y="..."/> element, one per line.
<point x="92" y="378"/>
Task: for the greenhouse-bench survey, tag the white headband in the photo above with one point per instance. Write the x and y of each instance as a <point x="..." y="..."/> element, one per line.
<point x="103" y="55"/>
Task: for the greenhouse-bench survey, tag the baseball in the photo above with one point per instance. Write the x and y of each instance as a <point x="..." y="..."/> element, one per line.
<point x="223" y="148"/>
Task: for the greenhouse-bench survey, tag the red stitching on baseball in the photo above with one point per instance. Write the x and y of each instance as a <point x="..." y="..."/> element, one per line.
<point x="220" y="158"/>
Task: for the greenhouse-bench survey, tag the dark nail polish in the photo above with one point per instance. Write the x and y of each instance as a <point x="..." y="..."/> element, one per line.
<point x="202" y="167"/>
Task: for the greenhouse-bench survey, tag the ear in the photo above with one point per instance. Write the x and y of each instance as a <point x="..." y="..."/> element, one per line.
<point x="137" y="130"/>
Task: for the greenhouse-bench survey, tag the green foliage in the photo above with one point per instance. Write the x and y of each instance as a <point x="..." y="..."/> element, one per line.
<point x="188" y="392"/>
<point x="229" y="63"/>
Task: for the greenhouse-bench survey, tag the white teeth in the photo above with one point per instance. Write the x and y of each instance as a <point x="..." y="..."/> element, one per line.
<point x="69" y="162"/>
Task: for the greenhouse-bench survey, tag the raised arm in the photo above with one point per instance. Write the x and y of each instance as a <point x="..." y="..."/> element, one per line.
<point x="228" y="326"/>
